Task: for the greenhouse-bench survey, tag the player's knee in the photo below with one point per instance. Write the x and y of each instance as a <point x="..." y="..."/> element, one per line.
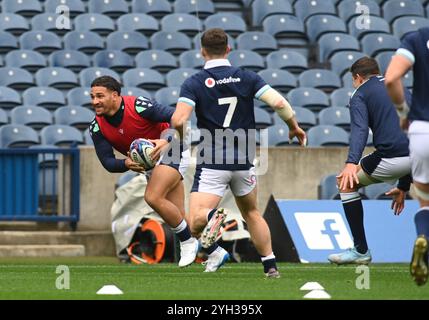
<point x="151" y="198"/>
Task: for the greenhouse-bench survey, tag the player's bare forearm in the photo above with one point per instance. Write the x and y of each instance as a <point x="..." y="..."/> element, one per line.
<point x="398" y="67"/>
<point x="180" y="117"/>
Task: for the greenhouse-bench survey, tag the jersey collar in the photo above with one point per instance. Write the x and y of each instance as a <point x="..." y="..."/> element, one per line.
<point x="217" y="63"/>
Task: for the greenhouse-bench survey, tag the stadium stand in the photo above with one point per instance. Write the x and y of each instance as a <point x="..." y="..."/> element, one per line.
<point x="131" y="42"/>
<point x="17" y="136"/>
<point x="139" y="22"/>
<point x="60" y="135"/>
<point x="327" y="135"/>
<point x="32" y="116"/>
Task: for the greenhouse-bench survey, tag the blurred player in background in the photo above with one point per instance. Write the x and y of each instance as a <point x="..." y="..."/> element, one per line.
<point x="222" y="97"/>
<point x="121" y="119"/>
<point x="414" y="54"/>
<point x="371" y="108"/>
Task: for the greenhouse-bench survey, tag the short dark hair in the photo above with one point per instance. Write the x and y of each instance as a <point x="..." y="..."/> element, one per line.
<point x="365" y="66"/>
<point x="107" y="82"/>
<point x="215" y="41"/>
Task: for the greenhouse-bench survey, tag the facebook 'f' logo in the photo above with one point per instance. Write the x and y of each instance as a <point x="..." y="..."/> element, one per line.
<point x="324" y="230"/>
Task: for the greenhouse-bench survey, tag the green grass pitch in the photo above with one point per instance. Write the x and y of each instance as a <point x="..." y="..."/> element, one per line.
<point x="36" y="278"/>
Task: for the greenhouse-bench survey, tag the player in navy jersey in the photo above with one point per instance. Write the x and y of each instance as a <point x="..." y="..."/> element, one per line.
<point x="121" y="119"/>
<point x="222" y="97"/>
<point x="414" y="55"/>
<point x="371" y="108"/>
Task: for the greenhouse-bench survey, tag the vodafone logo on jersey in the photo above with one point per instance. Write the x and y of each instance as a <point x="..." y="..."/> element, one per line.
<point x="210" y="82"/>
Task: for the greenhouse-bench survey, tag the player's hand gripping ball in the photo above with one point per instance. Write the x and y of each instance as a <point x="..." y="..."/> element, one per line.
<point x="140" y="150"/>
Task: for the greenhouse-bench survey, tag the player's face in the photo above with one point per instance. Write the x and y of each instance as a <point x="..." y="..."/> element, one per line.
<point x="103" y="101"/>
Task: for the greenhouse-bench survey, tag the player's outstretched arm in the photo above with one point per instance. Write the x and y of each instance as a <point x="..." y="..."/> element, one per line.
<point x="276" y="101"/>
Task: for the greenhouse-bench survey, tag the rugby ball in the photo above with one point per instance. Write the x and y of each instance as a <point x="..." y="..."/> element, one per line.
<point x="140" y="150"/>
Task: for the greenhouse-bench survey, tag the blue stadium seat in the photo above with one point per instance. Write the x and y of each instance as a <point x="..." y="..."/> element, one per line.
<point x="374" y="25"/>
<point x="197" y="41"/>
<point x="168" y="96"/>
<point x="191" y="59"/>
<point x="8" y="42"/>
<point x="3" y="117"/>
<point x="60" y="135"/>
<point x="305" y="117"/>
<point x="87" y="42"/>
<point x="310" y="98"/>
<point x="408" y="80"/>
<point x="175" y="78"/>
<point x="26" y="59"/>
<point x="139" y="22"/>
<point x="262" y="118"/>
<point x="94" y="22"/>
<point x="231" y="23"/>
<point x="159" y="60"/>
<point x="341" y="97"/>
<point x="16" y="78"/>
<point x="17" y="136"/>
<point x="86" y="76"/>
<point x="80" y="96"/>
<point x="384" y="59"/>
<point x="78" y="117"/>
<point x="288" y="60"/>
<point x="9" y="98"/>
<point x="173" y="42"/>
<point x="31" y="116"/>
<point x="278" y="135"/>
<point x="131" y="42"/>
<point x="43" y="96"/>
<point x="157" y="9"/>
<point x="203" y="8"/>
<point x="111" y="8"/>
<point x="246" y="59"/>
<point x="306" y="8"/>
<point x="331" y="43"/>
<point x="326" y="135"/>
<point x="181" y="22"/>
<point x="41" y="41"/>
<point x="327" y="189"/>
<point x="343" y="60"/>
<point x="257" y="41"/>
<point x="13" y="23"/>
<point x="287" y="29"/>
<point x="373" y="44"/>
<point x="70" y="59"/>
<point x="399" y="8"/>
<point x="134" y="91"/>
<point x="318" y="25"/>
<point x="57" y="77"/>
<point x="335" y="116"/>
<point x="348" y="9"/>
<point x="27" y="8"/>
<point x="113" y="59"/>
<point x="325" y="80"/>
<point x="262" y="9"/>
<point x="281" y="80"/>
<point x="88" y="140"/>
<point x="347" y="80"/>
<point x="48" y="22"/>
<point x="403" y="25"/>
<point x="74" y="7"/>
<point x="377" y="191"/>
<point x="143" y="78"/>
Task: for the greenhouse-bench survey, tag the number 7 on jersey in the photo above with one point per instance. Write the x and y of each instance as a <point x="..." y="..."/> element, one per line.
<point x="232" y="101"/>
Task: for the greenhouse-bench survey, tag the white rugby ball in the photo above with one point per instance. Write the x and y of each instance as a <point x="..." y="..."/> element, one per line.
<point x="140" y="150"/>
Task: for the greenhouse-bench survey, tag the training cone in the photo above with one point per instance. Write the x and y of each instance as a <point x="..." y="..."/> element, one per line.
<point x="317" y="294"/>
<point x="311" y="286"/>
<point x="109" y="289"/>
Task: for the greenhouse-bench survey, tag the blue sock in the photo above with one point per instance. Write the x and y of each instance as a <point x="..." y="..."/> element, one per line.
<point x="212" y="248"/>
<point x="182" y="231"/>
<point x="421" y="220"/>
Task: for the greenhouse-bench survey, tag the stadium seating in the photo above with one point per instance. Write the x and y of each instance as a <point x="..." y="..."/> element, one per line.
<point x="134" y="91"/>
<point x="131" y="42"/>
<point x="94" y="22"/>
<point x="79" y="97"/>
<point x="246" y="59"/>
<point x="343" y="60"/>
<point x="191" y="59"/>
<point x="310" y="98"/>
<point x="325" y="80"/>
<point x="32" y="116"/>
<point x="181" y="22"/>
<point x="3" y="117"/>
<point x="287" y="59"/>
<point x="348" y="9"/>
<point x="231" y="23"/>
<point x="341" y="97"/>
<point x="202" y="8"/>
<point x="305" y="118"/>
<point x="287" y="29"/>
<point x="278" y="135"/>
<point x="70" y="59"/>
<point x="17" y="136"/>
<point x="78" y="117"/>
<point x="374" y="25"/>
<point x="173" y="42"/>
<point x="13" y="23"/>
<point x="16" y="78"/>
<point x="116" y="60"/>
<point x="48" y="22"/>
<point x="262" y="118"/>
<point x="87" y="75"/>
<point x="403" y="25"/>
<point x="73" y="7"/>
<point x="87" y="41"/>
<point x="60" y="135"/>
<point x="27" y="59"/>
<point x="318" y="25"/>
<point x="327" y="135"/>
<point x="281" y="80"/>
<point x="373" y="44"/>
<point x="399" y="8"/>
<point x="176" y="77"/>
<point x="157" y="9"/>
<point x="331" y="43"/>
<point x="336" y="116"/>
<point x="143" y="78"/>
<point x="8" y="42"/>
<point x="9" y="98"/>
<point x="43" y="96"/>
<point x="57" y="77"/>
<point x="158" y="60"/>
<point x="259" y="42"/>
<point x="261" y="9"/>
<point x="111" y="8"/>
<point x="377" y="191"/>
<point x="168" y="96"/>
<point x="27" y="8"/>
<point x="307" y="8"/>
<point x="139" y="22"/>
